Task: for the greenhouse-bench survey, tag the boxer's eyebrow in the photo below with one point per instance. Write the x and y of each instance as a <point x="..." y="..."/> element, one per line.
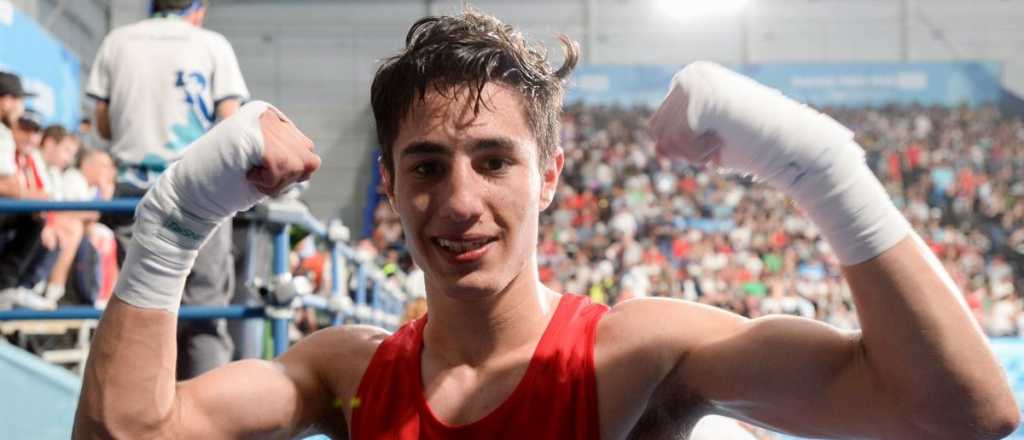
<point x="423" y="148"/>
<point x="495" y="143"/>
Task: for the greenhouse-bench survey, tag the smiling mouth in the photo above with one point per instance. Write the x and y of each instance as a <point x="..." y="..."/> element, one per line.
<point x="462" y="246"/>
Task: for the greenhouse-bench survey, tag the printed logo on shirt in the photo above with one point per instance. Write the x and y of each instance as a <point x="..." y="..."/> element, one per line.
<point x="200" y="112"/>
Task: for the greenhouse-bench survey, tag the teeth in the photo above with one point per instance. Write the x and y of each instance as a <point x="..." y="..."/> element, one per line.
<point x="462" y="246"/>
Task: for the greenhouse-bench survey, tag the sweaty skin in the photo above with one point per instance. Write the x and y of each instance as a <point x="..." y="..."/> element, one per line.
<point x="919" y="369"/>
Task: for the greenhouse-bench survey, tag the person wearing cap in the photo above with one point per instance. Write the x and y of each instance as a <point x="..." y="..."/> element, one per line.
<point x="21" y="177"/>
<point x="158" y="85"/>
<point x="12" y="106"/>
<point x="28" y="133"/>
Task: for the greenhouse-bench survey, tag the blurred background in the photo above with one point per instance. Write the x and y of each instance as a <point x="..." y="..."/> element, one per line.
<point x="932" y="89"/>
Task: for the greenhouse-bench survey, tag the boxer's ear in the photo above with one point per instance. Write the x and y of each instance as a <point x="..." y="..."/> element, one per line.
<point x="549" y="173"/>
<point x="387" y="180"/>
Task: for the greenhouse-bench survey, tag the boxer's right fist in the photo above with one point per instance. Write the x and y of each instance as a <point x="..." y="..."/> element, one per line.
<point x="254" y="153"/>
<point x="234" y="166"/>
<point x="288" y="155"/>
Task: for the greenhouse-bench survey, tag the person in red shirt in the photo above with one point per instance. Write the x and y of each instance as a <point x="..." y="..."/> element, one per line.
<point x="467" y="116"/>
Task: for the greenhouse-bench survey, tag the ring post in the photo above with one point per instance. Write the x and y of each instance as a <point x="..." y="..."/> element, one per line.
<point x="377" y="291"/>
<point x="360" y="292"/>
<point x="336" y="282"/>
<point x="280" y="322"/>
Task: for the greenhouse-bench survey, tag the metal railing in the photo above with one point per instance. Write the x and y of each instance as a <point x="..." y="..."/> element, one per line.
<point x="376" y="301"/>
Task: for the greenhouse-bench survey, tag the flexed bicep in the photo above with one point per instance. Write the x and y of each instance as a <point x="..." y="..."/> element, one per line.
<point x="790" y="374"/>
<point x="302" y="391"/>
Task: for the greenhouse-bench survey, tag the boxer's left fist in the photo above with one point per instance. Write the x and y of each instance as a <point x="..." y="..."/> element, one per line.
<point x="674" y="137"/>
<point x="713" y="114"/>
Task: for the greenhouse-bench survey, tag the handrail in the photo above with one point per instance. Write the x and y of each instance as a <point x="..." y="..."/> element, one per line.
<point x="186" y="313"/>
<point x="18" y="206"/>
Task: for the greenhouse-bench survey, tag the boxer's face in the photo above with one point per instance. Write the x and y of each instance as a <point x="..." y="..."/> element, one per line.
<point x="468" y="190"/>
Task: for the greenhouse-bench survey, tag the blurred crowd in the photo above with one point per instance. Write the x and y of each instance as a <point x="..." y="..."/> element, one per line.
<point x="45" y="256"/>
<point x="628" y="224"/>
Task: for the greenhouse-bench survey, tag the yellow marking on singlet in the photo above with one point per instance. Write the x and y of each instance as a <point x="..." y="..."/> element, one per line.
<point x="337" y="402"/>
<point x="356" y="401"/>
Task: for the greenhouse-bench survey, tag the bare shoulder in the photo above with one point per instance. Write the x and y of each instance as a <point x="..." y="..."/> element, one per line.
<point x="664" y="323"/>
<point x="348" y="338"/>
<point x="640" y="344"/>
<point x="341" y="353"/>
<point x="656" y="334"/>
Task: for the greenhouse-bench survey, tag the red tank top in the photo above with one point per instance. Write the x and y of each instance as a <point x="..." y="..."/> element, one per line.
<point x="555" y="399"/>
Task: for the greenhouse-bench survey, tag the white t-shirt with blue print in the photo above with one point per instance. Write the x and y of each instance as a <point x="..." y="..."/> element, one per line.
<point x="162" y="78"/>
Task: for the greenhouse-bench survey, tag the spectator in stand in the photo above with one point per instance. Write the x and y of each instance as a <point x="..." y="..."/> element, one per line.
<point x="24" y="233"/>
<point x="79" y="235"/>
<point x="19" y="233"/>
<point x="95" y="264"/>
<point x="50" y="266"/>
<point x="12" y="105"/>
<point x="86" y="134"/>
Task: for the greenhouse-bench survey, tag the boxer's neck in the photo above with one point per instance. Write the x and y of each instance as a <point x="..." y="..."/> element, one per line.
<point x="469" y="332"/>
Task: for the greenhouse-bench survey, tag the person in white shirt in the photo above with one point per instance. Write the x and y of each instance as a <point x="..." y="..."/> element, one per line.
<point x="159" y="84"/>
<point x="58" y="148"/>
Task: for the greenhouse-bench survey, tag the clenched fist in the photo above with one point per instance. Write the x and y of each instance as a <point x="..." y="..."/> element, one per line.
<point x="675" y="137"/>
<point x="288" y="155"/>
<point x="715" y="115"/>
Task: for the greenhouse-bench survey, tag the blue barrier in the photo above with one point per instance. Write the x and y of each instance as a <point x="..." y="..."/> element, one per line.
<point x="279" y="327"/>
<point x="336" y="291"/>
<point x="13" y="206"/>
<point x="280" y="213"/>
<point x="186" y="313"/>
<point x="292" y="213"/>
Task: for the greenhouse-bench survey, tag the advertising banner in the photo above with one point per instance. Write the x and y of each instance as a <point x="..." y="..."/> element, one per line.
<point x="46" y="67"/>
<point x="821" y="85"/>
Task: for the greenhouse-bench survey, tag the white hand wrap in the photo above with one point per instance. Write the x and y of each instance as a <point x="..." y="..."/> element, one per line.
<point x="195" y="195"/>
<point x="797" y="150"/>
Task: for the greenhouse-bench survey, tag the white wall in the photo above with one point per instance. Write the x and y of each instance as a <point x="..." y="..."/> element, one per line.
<point x="316" y="58"/>
<point x="316" y="64"/>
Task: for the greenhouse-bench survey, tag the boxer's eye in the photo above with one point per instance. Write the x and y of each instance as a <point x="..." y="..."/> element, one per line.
<point x="427" y="169"/>
<point x="496" y="164"/>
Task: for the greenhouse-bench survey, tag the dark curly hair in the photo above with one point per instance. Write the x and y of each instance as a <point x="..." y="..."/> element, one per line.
<point x="157" y="6"/>
<point x="451" y="53"/>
